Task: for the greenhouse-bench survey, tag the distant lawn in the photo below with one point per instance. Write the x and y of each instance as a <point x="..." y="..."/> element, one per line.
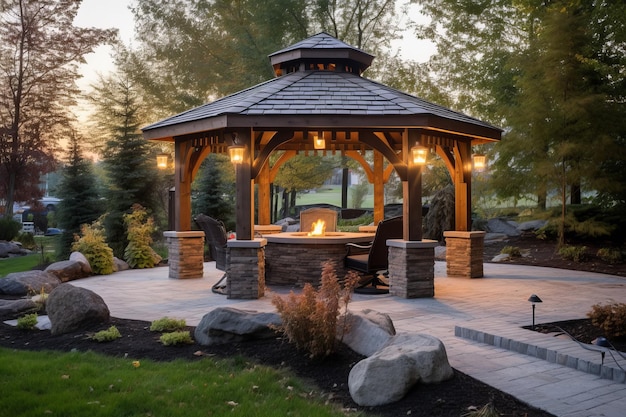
<point x="330" y="195"/>
<point x="19" y="264"/>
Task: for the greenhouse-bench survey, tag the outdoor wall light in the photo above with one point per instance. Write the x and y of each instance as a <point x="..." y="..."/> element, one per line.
<point x="419" y="154"/>
<point x="162" y="160"/>
<point x="480" y="162"/>
<point x="534" y="299"/>
<point x="318" y="141"/>
<point x="236" y="151"/>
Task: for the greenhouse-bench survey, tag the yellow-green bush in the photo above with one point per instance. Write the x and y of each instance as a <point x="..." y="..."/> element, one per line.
<point x="512" y="251"/>
<point x="176" y="338"/>
<point x="574" y="253"/>
<point x="108" y="335"/>
<point x="139" y="227"/>
<point x="27" y="322"/>
<point x="610" y="255"/>
<point x="92" y="244"/>
<point x="166" y="324"/>
<point x="609" y="317"/>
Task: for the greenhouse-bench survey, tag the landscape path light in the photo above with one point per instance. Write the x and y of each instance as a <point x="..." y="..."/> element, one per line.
<point x="534" y="299"/>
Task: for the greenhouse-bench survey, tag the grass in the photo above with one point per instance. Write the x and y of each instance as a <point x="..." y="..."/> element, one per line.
<point x="79" y="383"/>
<point x="330" y="195"/>
<point x="19" y="264"/>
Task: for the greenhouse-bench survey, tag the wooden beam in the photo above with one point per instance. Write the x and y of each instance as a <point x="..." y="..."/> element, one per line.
<point x="244" y="194"/>
<point x="411" y="191"/>
<point x="463" y="186"/>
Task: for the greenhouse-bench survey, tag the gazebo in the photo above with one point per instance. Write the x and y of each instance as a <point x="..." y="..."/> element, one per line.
<point x="319" y="103"/>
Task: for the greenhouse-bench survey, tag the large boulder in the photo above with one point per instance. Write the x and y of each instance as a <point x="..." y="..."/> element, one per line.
<point x="120" y="265"/>
<point x="367" y="331"/>
<point x="79" y="257"/>
<point x="11" y="249"/>
<point x="227" y="324"/>
<point x="12" y="309"/>
<point x="504" y="226"/>
<point x="69" y="270"/>
<point x="386" y="376"/>
<point x="72" y="308"/>
<point x="23" y="283"/>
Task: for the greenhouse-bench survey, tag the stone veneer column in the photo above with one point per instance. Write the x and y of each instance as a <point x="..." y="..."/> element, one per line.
<point x="185" y="254"/>
<point x="464" y="254"/>
<point x="412" y="268"/>
<point x="245" y="262"/>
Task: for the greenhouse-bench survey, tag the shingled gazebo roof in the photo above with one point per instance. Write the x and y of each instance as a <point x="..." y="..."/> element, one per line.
<point x="319" y="86"/>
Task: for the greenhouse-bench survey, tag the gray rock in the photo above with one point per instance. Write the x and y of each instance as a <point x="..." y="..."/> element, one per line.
<point x="507" y="227"/>
<point x="367" y="331"/>
<point x="11" y="249"/>
<point x="23" y="283"/>
<point x="227" y="324"/>
<point x="531" y="225"/>
<point x="440" y="253"/>
<point x="69" y="270"/>
<point x="501" y="257"/>
<point x="491" y="238"/>
<point x="79" y="257"/>
<point x="120" y="265"/>
<point x="72" y="308"/>
<point x="386" y="376"/>
<point x="12" y="309"/>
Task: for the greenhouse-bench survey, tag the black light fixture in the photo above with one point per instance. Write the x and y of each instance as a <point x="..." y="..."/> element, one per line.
<point x="602" y="342"/>
<point x="534" y="299"/>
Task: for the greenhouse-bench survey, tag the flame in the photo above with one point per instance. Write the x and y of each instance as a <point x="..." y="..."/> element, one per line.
<point x="318" y="228"/>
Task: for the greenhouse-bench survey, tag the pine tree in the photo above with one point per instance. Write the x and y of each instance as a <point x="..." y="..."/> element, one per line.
<point x="214" y="189"/>
<point x="80" y="203"/>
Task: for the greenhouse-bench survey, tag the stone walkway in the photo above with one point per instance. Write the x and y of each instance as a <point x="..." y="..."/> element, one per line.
<point x="478" y="320"/>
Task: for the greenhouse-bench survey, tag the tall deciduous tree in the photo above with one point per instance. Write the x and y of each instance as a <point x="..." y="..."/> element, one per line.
<point x="80" y="199"/>
<point x="40" y="50"/>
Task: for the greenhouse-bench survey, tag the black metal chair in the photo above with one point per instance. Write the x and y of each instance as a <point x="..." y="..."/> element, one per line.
<point x="372" y="259"/>
<point x="216" y="238"/>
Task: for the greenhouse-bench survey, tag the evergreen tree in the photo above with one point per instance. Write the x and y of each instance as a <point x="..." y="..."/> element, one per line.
<point x="132" y="176"/>
<point x="80" y="203"/>
<point x="214" y="189"/>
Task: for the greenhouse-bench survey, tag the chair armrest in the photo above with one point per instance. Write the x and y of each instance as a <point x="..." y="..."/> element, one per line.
<point x="355" y="248"/>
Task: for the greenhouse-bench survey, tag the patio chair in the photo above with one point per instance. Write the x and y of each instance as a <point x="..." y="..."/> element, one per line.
<point x="216" y="238"/>
<point x="310" y="216"/>
<point x="372" y="259"/>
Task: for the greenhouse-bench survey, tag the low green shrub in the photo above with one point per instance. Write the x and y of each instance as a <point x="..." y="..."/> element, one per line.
<point x="573" y="253"/>
<point x="176" y="338"/>
<point x="27" y="322"/>
<point x="609" y="317"/>
<point x="167" y="324"/>
<point x="512" y="251"/>
<point x="610" y="255"/>
<point x="9" y="228"/>
<point x="106" y="335"/>
<point x="27" y="240"/>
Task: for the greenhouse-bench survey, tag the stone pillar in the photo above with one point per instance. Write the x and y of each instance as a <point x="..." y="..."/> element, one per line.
<point x="185" y="254"/>
<point x="412" y="268"/>
<point x="464" y="254"/>
<point x="245" y="262"/>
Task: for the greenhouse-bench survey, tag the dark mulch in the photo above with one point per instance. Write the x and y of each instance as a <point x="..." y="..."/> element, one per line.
<point x="449" y="398"/>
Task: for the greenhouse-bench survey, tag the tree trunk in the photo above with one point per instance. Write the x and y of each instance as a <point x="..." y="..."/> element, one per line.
<point x="575" y="194"/>
<point x="344" y="187"/>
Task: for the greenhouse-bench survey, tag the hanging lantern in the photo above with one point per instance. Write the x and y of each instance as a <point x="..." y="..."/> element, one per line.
<point x="236" y="154"/>
<point x="318" y="141"/>
<point x="162" y="160"/>
<point x="480" y="162"/>
<point x="419" y="154"/>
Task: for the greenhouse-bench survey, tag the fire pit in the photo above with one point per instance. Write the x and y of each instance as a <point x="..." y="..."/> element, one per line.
<point x="295" y="258"/>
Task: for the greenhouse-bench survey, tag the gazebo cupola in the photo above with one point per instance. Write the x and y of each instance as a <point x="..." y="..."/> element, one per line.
<point x="320" y="53"/>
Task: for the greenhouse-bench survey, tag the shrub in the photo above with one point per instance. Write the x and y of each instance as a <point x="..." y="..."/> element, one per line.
<point x="609" y="317"/>
<point x="167" y="324"/>
<point x="139" y="227"/>
<point x="9" y="228"/>
<point x="610" y="255"/>
<point x="176" y="338"/>
<point x="27" y="240"/>
<point x="310" y="320"/>
<point x="27" y="322"/>
<point x="106" y="335"/>
<point x="574" y="253"/>
<point x="512" y="251"/>
<point x="93" y="246"/>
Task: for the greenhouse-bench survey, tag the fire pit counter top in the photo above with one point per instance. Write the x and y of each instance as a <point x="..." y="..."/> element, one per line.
<point x="330" y="238"/>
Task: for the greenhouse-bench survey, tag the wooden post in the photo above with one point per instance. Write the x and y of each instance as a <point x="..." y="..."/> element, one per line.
<point x="379" y="188"/>
<point x="182" y="179"/>
<point x="263" y="190"/>
<point x="463" y="186"/>
<point x="244" y="195"/>
<point x="411" y="190"/>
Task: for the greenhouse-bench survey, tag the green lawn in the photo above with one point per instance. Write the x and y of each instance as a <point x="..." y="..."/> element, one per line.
<point x="19" y="264"/>
<point x="330" y="195"/>
<point x="89" y="384"/>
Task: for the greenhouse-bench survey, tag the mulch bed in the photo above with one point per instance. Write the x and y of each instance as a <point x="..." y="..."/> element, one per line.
<point x="450" y="398"/>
